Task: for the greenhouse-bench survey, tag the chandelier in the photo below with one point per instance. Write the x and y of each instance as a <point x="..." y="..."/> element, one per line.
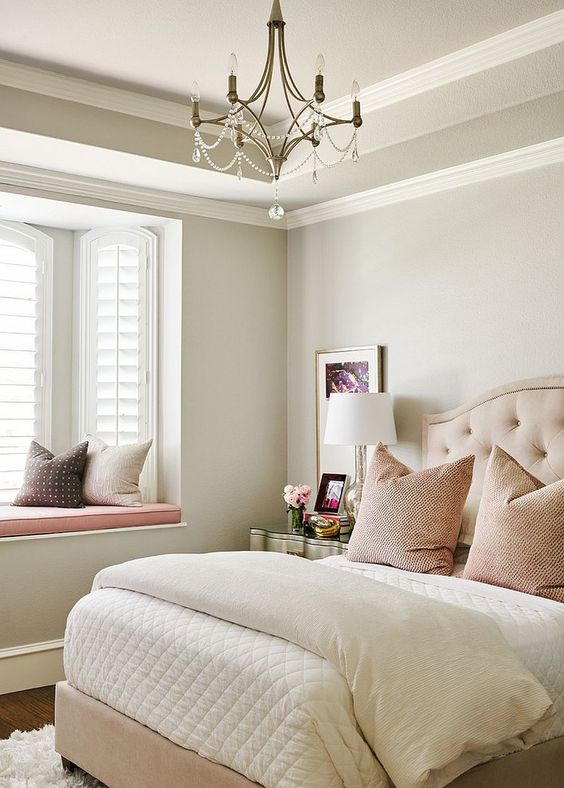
<point x="243" y="124"/>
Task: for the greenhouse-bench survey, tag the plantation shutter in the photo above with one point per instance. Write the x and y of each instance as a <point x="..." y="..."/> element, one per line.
<point x="118" y="341"/>
<point x="23" y="373"/>
<point x="120" y="315"/>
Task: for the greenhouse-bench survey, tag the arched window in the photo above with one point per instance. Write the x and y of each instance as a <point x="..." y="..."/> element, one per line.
<point x="117" y="369"/>
<point x="26" y="256"/>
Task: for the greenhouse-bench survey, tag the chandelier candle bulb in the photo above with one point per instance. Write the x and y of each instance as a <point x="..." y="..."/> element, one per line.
<point x="232" y="64"/>
<point x="355" y="92"/>
<point x="195" y="122"/>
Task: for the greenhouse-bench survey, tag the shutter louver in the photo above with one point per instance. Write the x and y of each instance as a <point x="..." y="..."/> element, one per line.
<point x="20" y="383"/>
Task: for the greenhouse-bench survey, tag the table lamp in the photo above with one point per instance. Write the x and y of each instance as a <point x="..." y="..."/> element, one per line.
<point x="359" y="420"/>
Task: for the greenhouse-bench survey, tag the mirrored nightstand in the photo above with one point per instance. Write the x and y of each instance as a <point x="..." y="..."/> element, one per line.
<point x="277" y="539"/>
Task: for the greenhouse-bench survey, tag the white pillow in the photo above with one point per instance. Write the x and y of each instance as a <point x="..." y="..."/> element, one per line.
<point x="111" y="474"/>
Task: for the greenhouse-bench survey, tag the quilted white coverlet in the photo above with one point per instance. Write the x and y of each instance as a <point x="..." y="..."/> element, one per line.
<point x="143" y="644"/>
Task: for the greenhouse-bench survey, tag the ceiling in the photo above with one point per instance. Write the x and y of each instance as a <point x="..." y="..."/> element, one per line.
<point x="159" y="48"/>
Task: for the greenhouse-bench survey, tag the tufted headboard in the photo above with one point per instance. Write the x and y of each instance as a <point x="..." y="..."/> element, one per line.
<point x="524" y="418"/>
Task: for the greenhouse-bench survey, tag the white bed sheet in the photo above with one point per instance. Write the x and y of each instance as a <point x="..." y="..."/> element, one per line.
<point x="278" y="714"/>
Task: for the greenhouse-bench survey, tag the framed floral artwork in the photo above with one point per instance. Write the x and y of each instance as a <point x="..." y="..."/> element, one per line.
<point x="343" y="371"/>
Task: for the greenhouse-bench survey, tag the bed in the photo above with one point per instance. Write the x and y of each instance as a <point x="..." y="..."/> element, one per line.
<point x="159" y="694"/>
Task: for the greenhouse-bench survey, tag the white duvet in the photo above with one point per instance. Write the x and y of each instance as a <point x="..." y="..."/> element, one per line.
<point x="279" y="714"/>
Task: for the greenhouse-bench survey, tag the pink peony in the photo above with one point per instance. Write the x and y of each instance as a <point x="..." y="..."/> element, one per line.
<point x="297" y="496"/>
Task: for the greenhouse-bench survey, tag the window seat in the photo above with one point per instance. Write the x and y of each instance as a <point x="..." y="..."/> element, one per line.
<point x="32" y="520"/>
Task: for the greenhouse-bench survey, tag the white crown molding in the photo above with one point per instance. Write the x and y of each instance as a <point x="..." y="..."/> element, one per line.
<point x="61" y="183"/>
<point x="83" y="91"/>
<point x="502" y="164"/>
<point x="510" y="45"/>
<point x="495" y="51"/>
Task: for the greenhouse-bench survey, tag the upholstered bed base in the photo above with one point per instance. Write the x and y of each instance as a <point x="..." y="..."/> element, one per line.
<point x="122" y="753"/>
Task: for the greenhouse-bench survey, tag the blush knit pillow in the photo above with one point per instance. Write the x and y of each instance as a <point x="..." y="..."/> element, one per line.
<point x="111" y="475"/>
<point x="408" y="519"/>
<point x="51" y="480"/>
<point x="519" y="537"/>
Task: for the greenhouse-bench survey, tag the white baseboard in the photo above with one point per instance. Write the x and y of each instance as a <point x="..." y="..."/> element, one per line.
<point x="31" y="665"/>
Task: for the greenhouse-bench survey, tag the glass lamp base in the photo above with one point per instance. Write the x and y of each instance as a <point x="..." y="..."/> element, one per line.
<point x="352" y="501"/>
<point x="353" y="494"/>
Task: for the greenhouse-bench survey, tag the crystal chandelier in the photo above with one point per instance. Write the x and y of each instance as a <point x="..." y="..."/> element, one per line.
<point x="243" y="123"/>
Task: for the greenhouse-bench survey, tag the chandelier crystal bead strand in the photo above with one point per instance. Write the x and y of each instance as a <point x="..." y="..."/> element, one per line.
<point x="242" y="125"/>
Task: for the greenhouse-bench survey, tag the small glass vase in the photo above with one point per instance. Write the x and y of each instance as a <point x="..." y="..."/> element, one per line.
<point x="297" y="520"/>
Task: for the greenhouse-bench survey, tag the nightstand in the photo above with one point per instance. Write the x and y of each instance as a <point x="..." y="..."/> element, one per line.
<point x="279" y="540"/>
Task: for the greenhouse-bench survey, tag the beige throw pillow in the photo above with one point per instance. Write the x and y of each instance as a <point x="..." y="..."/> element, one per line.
<point x="111" y="475"/>
<point x="410" y="519"/>
<point x="519" y="537"/>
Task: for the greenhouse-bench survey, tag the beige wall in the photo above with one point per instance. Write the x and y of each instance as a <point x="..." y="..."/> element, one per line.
<point x="234" y="381"/>
<point x="464" y="288"/>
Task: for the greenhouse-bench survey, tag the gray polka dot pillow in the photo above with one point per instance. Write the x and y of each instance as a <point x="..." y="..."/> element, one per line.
<point x="410" y="519"/>
<point x="51" y="480"/>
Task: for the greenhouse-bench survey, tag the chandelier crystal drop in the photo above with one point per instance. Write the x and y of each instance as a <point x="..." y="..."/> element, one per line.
<point x="243" y="124"/>
<point x="276" y="211"/>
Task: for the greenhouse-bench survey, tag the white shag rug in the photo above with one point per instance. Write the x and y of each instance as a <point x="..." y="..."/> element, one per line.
<point x="29" y="760"/>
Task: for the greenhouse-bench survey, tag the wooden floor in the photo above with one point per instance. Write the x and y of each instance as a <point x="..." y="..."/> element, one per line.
<point x="26" y="710"/>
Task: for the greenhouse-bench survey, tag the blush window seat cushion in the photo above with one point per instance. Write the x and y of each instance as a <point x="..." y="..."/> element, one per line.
<point x="33" y="520"/>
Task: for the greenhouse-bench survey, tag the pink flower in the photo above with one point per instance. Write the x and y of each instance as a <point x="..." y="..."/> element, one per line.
<point x="297" y="496"/>
<point x="289" y="495"/>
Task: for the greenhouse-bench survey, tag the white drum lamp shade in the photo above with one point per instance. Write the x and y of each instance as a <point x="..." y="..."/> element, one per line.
<point x="360" y="420"/>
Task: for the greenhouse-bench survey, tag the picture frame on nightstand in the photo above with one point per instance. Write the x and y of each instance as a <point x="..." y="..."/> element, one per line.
<point x="330" y="494"/>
